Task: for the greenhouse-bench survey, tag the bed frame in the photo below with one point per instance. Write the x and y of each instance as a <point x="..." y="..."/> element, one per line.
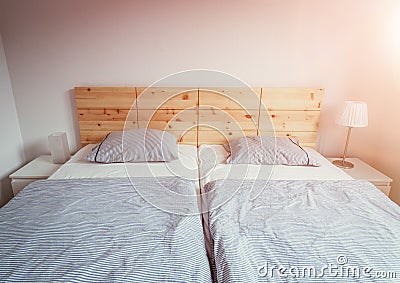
<point x="200" y="115"/>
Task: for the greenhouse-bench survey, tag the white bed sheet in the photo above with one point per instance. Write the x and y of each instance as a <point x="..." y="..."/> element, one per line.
<point x="77" y="167"/>
<point x="212" y="160"/>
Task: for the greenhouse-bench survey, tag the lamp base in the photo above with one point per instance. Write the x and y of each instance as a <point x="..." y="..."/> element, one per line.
<point x="343" y="164"/>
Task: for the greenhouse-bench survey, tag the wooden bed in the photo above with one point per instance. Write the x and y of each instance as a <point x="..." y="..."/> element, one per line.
<point x="200" y="115"/>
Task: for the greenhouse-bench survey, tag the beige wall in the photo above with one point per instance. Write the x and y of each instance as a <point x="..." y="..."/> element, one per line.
<point x="349" y="47"/>
<point x="11" y="147"/>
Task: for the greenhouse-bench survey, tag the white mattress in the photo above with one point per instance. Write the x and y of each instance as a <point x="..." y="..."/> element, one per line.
<point x="213" y="167"/>
<point x="77" y="167"/>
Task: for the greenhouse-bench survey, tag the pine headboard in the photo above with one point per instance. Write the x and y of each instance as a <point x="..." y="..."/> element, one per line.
<point x="200" y="115"/>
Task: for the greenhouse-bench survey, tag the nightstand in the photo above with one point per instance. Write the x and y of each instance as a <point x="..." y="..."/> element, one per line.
<point x="362" y="171"/>
<point x="38" y="169"/>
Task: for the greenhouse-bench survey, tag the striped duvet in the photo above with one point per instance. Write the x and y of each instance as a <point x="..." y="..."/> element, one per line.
<point x="99" y="230"/>
<point x="302" y="231"/>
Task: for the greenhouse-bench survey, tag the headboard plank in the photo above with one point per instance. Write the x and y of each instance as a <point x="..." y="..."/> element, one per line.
<point x="105" y="97"/>
<point x="230" y="98"/>
<point x="197" y="116"/>
<point x="186" y="137"/>
<point x="107" y="125"/>
<point x="305" y="138"/>
<point x="168" y="120"/>
<point x="172" y="109"/>
<point x="231" y="111"/>
<point x="177" y="98"/>
<point x="230" y="120"/>
<point x="102" y="114"/>
<point x="292" y="98"/>
<point x="104" y="109"/>
<point x="92" y="136"/>
<point x="293" y="112"/>
<point x="302" y="121"/>
<point x="210" y="136"/>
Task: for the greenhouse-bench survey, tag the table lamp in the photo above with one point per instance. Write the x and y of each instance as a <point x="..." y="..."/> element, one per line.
<point x="354" y="115"/>
<point x="59" y="148"/>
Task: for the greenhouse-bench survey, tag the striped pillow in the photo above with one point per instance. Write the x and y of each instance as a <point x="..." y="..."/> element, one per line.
<point x="140" y="145"/>
<point x="268" y="150"/>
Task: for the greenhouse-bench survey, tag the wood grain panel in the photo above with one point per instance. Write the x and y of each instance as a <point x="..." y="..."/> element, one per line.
<point x="289" y="121"/>
<point x="292" y="98"/>
<point x="208" y="135"/>
<point x="184" y="111"/>
<point x="92" y="136"/>
<point x="187" y="136"/>
<point x="168" y="120"/>
<point x="230" y="98"/>
<point x="105" y="97"/>
<point x="111" y="126"/>
<point x="229" y="120"/>
<point x="104" y="114"/>
<point x="104" y="109"/>
<point x="166" y="98"/>
<point x="305" y="138"/>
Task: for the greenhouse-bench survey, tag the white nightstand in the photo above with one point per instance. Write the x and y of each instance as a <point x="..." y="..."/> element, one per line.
<point x="362" y="171"/>
<point x="38" y="169"/>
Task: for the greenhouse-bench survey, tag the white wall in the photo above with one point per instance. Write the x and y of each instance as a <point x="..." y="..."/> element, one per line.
<point x="349" y="47"/>
<point x="11" y="149"/>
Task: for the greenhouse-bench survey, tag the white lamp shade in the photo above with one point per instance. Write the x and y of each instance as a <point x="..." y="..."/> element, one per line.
<point x="59" y="149"/>
<point x="355" y="114"/>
